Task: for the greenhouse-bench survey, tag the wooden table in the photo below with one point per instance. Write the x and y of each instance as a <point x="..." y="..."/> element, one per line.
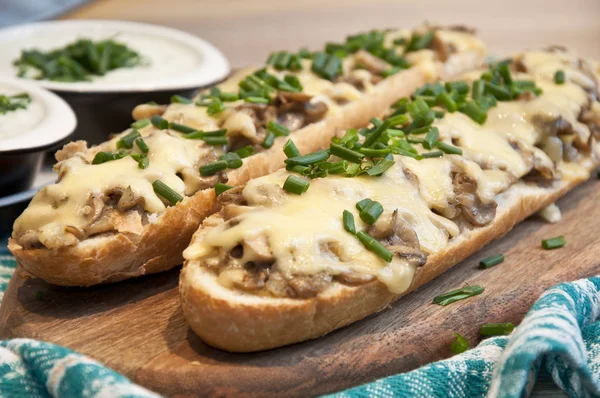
<point x="248" y="30"/>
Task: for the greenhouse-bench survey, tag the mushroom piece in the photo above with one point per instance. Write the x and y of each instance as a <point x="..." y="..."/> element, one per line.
<point x="306" y="286"/>
<point x="256" y="249"/>
<point x="94" y="206"/>
<point x="252" y="280"/>
<point x="443" y="50"/>
<point x="129" y="199"/>
<point x="146" y="111"/>
<point x="394" y="231"/>
<point x="232" y="196"/>
<point x="267" y="194"/>
<point x="370" y="62"/>
<point x="70" y="149"/>
<point x="410" y="255"/>
<point x="354" y="278"/>
<point x="472" y="208"/>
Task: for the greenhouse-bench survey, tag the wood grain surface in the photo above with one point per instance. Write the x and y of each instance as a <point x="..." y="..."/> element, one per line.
<point x="137" y="327"/>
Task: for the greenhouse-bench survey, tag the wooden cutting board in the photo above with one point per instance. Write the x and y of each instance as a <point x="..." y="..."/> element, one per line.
<point x="137" y="327"/>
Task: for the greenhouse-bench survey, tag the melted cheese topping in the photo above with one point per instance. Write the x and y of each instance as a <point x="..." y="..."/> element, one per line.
<point x="297" y="227"/>
<point x="64" y="203"/>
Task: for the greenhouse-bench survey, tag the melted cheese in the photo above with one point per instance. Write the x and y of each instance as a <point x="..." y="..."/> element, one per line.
<point x="298" y="228"/>
<point x="64" y="203"/>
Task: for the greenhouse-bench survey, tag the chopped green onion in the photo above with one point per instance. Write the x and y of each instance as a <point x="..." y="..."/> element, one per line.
<point x="554" y="243"/>
<point x="142" y="145"/>
<point x="491" y="261"/>
<point x="375" y="135"/>
<point x="215" y="133"/>
<point x="371" y="212"/>
<point x="559" y="77"/>
<point x="215" y="140"/>
<point x="246" y="151"/>
<point x="458" y="294"/>
<point x="182" y="128"/>
<point x="474" y="111"/>
<point x="418" y="42"/>
<point x="349" y="222"/>
<point x="373" y="245"/>
<point x="179" y="99"/>
<point x="269" y="140"/>
<point x="166" y="192"/>
<point x="338" y="167"/>
<point x="311" y="158"/>
<point x="304" y="53"/>
<point x="401" y="105"/>
<point x="497" y="91"/>
<point x="478" y="87"/>
<point x="127" y="140"/>
<point x="504" y="71"/>
<point x="233" y="160"/>
<point x="213" y="168"/>
<point x="459" y="345"/>
<point x="143" y="161"/>
<point x="103" y="157"/>
<point x="220" y="188"/>
<point x="432" y="154"/>
<point x="229" y="97"/>
<point x="496" y="329"/>
<point x="295" y="184"/>
<point x="447" y="102"/>
<point x="360" y="205"/>
<point x="375" y="153"/>
<point x="397" y="120"/>
<point x="345" y="153"/>
<point x="449" y="149"/>
<point x="380" y="167"/>
<point x="395" y="133"/>
<point x="257" y="100"/>
<point x="290" y="149"/>
<point x="160" y="123"/>
<point x="460" y="87"/>
<point x="293" y="81"/>
<point x="431" y="138"/>
<point x="215" y="108"/>
<point x="278" y="129"/>
<point x="140" y="124"/>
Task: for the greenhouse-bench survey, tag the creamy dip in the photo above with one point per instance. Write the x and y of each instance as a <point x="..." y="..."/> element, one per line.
<point x="162" y="56"/>
<point x="21" y="120"/>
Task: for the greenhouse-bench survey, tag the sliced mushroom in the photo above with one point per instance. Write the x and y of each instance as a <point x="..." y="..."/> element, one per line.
<point x="370" y="62"/>
<point x="392" y="230"/>
<point x="354" y="278"/>
<point x="70" y="229"/>
<point x="256" y="249"/>
<point x="277" y="285"/>
<point x="129" y="199"/>
<point x="315" y="111"/>
<point x="443" y="49"/>
<point x="232" y="196"/>
<point x="411" y="255"/>
<point x="252" y="280"/>
<point x="93" y="208"/>
<point x="265" y="195"/>
<point x="472" y="208"/>
<point x="70" y="149"/>
<point x="306" y="286"/>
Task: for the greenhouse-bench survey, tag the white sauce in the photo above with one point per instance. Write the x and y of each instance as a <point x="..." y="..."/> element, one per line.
<point x="20" y="121"/>
<point x="162" y="56"/>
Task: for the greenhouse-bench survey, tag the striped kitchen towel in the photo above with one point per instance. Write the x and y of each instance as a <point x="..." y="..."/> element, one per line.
<point x="560" y="334"/>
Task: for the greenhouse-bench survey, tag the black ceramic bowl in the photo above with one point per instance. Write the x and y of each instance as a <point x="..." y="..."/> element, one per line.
<point x="25" y="136"/>
<point x="175" y="62"/>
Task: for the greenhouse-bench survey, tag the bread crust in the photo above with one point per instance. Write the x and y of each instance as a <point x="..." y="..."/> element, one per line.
<point x="115" y="257"/>
<point x="240" y="322"/>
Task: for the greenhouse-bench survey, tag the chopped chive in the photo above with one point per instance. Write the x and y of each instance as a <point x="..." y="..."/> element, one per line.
<point x="233" y="160"/>
<point x="179" y="99"/>
<point x="103" y="157"/>
<point x="376" y="121"/>
<point x="459" y="345"/>
<point x="220" y="188"/>
<point x="447" y="102"/>
<point x="213" y="168"/>
<point x="311" y="158"/>
<point x="229" y="97"/>
<point x="397" y="120"/>
<point x="449" y="149"/>
<point x="215" y="140"/>
<point x="375" y="135"/>
<point x="215" y="133"/>
<point x="182" y="128"/>
<point x="420" y="42"/>
<point x="401" y="105"/>
<point x="269" y="140"/>
<point x="143" y="161"/>
<point x="246" y="151"/>
<point x="554" y="243"/>
<point x="304" y="53"/>
<point x="349" y="222"/>
<point x="338" y="167"/>
<point x="559" y="77"/>
<point x="504" y="71"/>
<point x="474" y="111"/>
<point x="491" y="261"/>
<point x="375" y="153"/>
<point x="345" y="153"/>
<point x="432" y="154"/>
<point x="298" y="169"/>
<point x="215" y="107"/>
<point x="360" y="205"/>
<point x="458" y="294"/>
<point x="295" y="184"/>
<point x="160" y="123"/>
<point x="371" y="212"/>
<point x="478" y="87"/>
<point x="460" y="87"/>
<point x="290" y="149"/>
<point x="431" y="138"/>
<point x="501" y="93"/>
<point x="293" y="81"/>
<point x="373" y="245"/>
<point x="196" y="135"/>
<point x="257" y="100"/>
<point x="380" y="167"/>
<point x="142" y="145"/>
<point x="395" y="133"/>
<point x="140" y="124"/>
<point x="496" y="329"/>
<point x="278" y="129"/>
<point x="127" y="140"/>
<point x="166" y="192"/>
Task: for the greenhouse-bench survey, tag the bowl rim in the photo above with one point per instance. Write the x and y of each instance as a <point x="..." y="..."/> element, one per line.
<point x="215" y="67"/>
<point x="57" y="125"/>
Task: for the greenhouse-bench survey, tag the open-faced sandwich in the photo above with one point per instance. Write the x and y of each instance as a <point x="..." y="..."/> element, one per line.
<point x="129" y="206"/>
<point x="344" y="231"/>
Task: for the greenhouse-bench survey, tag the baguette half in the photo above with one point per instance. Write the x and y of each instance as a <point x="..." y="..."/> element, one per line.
<point x="240" y="320"/>
<point x="111" y="257"/>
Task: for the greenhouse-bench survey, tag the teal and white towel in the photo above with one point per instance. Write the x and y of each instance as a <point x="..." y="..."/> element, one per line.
<point x="560" y="333"/>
